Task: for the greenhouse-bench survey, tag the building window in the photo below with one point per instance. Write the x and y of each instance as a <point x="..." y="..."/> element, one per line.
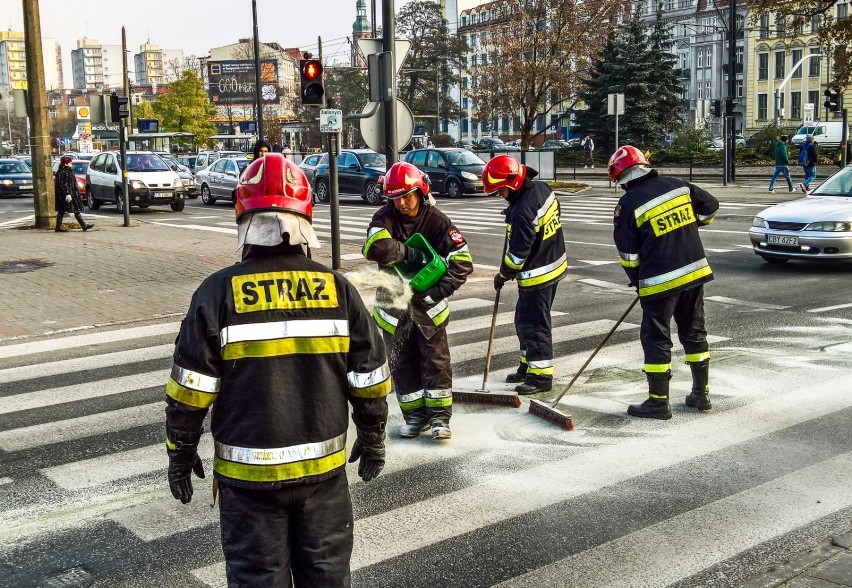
<point x="464" y="103"/>
<point x="780" y="26"/>
<point x="700" y="92"/>
<point x="816" y="23"/>
<point x="813" y="98"/>
<point x="701" y="58"/>
<point x="764" y="26"/>
<point x="799" y="29"/>
<point x="464" y="124"/>
<point x="684" y="60"/>
<point x="763" y="66"/>
<point x="739" y="88"/>
<point x="473" y="40"/>
<point x="707" y="90"/>
<point x="795" y="105"/>
<point x="780" y="61"/>
<point x="739" y="54"/>
<point x="816" y="63"/>
<point x="709" y="62"/>
<point x="842" y="11"/>
<point x="761" y="107"/>
<point x="797" y="57"/>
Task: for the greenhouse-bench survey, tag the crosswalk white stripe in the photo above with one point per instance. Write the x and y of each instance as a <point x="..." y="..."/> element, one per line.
<point x="709" y="534"/>
<point x="88" y="339"/>
<point x="212" y="576"/>
<point x="829" y="308"/>
<point x="386" y="535"/>
<point x="472" y="324"/>
<point x="197" y="227"/>
<point x="468" y="303"/>
<point x="746" y="303"/>
<point x="161" y="518"/>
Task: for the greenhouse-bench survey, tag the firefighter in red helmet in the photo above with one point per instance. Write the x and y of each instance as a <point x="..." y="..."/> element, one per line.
<point x="278" y="347"/>
<point x="656" y="234"/>
<point x="535" y="257"/>
<point x="415" y="330"/>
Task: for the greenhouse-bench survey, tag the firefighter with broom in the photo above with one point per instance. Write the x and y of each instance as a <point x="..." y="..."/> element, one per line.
<point x="415" y="330"/>
<point x="535" y="258"/>
<point x="656" y="234"/>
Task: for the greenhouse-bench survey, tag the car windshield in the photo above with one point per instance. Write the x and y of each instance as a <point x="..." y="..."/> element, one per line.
<point x="79" y="167"/>
<point x="13" y="167"/>
<point x="145" y="162"/>
<point x="840" y="184"/>
<point x="372" y="159"/>
<point x="462" y="158"/>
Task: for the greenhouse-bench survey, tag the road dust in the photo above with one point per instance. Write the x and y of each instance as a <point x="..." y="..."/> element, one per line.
<point x="373" y="278"/>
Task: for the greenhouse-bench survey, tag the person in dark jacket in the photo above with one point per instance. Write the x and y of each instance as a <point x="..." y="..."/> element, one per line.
<point x="261" y="148"/>
<point x="278" y="346"/>
<point x="808" y="161"/>
<point x="415" y="329"/>
<point x="656" y="234"/>
<point x="782" y="164"/>
<point x="67" y="195"/>
<point x="535" y="257"/>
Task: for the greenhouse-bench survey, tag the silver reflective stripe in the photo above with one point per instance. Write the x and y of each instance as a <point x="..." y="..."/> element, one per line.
<point x="544" y="208"/>
<point x="410" y="397"/>
<point x="195" y="380"/>
<point x="365" y="380"/>
<point x="682" y="191"/>
<point x="279" y="455"/>
<point x="541" y="363"/>
<point x="628" y="256"/>
<point x="439" y="393"/>
<point x="705" y="217"/>
<point x="388" y="318"/>
<point x="544" y="269"/>
<point x="674" y="274"/>
<point x="438" y="308"/>
<point x="280" y="329"/>
<point x="519" y="261"/>
<point x="455" y="252"/>
<point x="373" y="231"/>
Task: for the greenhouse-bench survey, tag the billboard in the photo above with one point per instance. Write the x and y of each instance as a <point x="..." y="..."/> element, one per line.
<point x="232" y="82"/>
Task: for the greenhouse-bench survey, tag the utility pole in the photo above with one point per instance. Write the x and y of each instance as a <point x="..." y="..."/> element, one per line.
<point x="257" y="95"/>
<point x="389" y="90"/>
<point x="39" y="135"/>
<point x="732" y="87"/>
<point x="123" y="130"/>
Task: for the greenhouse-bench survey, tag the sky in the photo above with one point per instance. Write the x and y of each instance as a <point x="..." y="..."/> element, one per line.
<point x="194" y="25"/>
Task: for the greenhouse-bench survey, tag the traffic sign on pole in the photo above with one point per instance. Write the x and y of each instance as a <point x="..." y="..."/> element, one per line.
<point x="331" y="120"/>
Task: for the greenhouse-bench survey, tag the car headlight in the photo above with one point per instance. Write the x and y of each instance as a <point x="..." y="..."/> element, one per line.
<point x="8" y="182"/>
<point x="829" y="226"/>
<point x="80" y="185"/>
<point x="192" y="182"/>
<point x="137" y="185"/>
<point x="469" y="176"/>
<point x="758" y="222"/>
<point x="178" y="183"/>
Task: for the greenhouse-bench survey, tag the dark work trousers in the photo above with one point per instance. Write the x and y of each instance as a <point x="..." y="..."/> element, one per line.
<point x="533" y="327"/>
<point x="421" y="372"/>
<point x="687" y="308"/>
<point x="305" y="530"/>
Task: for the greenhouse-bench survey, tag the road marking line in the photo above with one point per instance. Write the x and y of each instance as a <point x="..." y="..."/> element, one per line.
<point x="212" y="576"/>
<point x="585" y="243"/>
<point x="746" y="303"/>
<point x="197" y="227"/>
<point x="468" y="303"/>
<point x="608" y="285"/>
<point x="829" y="308"/>
<point x="590" y="262"/>
<point x="471" y="324"/>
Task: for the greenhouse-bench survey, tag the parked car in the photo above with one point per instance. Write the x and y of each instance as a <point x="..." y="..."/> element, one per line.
<point x="188" y="161"/>
<point x="205" y="158"/>
<point x="451" y="170"/>
<point x="818" y="226"/>
<point x="27" y="159"/>
<point x="309" y="165"/>
<point x="86" y="156"/>
<point x="16" y="179"/>
<point x="801" y="134"/>
<point x="219" y="181"/>
<point x="718" y="143"/>
<point x="464" y="145"/>
<point x="494" y="144"/>
<point x="517" y="143"/>
<point x="358" y="172"/>
<point x="150" y="181"/>
<point x="554" y="144"/>
<point x="826" y="134"/>
<point x="183" y="172"/>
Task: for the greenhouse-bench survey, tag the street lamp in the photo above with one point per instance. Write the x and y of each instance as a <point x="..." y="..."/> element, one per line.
<point x="777" y="91"/>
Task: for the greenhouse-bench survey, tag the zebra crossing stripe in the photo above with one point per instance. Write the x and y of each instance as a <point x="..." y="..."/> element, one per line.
<point x="160" y="518"/>
<point x="198" y="227"/>
<point x="471" y="324"/>
<point x="469" y="303"/>
<point x="212" y="576"/>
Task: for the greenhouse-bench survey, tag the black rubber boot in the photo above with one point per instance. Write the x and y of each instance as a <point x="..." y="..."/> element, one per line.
<point x="657" y="405"/>
<point x="59" y="228"/>
<point x="416" y="421"/>
<point x="700" y="396"/>
<point x="518" y="376"/>
<point x="83" y="224"/>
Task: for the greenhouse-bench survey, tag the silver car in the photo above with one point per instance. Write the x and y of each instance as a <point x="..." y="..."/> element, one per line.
<point x="183" y="172"/>
<point x="818" y="226"/>
<point x="219" y="180"/>
<point x="309" y="165"/>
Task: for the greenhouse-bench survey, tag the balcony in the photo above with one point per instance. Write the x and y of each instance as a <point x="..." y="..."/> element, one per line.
<point x="684" y="73"/>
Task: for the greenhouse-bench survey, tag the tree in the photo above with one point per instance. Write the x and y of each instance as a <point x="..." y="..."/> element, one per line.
<point x="537" y="50"/>
<point x="186" y="108"/>
<point x="668" y="107"/>
<point x="432" y="63"/>
<point x="143" y="110"/>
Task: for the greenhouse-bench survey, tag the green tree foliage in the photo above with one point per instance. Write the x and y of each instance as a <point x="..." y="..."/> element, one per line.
<point x="144" y="109"/>
<point x="668" y="108"/>
<point x="434" y="58"/>
<point x="186" y="108"/>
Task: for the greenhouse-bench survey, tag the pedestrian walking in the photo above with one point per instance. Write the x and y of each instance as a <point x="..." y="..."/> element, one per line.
<point x="261" y="148"/>
<point x="782" y="164"/>
<point x="808" y="161"/>
<point x="416" y="335"/>
<point x="588" y="149"/>
<point x="656" y="233"/>
<point x="67" y="195"/>
<point x="278" y="346"/>
<point x="287" y="151"/>
<point x="536" y="258"/>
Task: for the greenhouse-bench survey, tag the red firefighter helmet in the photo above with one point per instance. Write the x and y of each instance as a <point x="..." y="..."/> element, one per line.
<point x="624" y="158"/>
<point x="403" y="178"/>
<point x="274" y="183"/>
<point x="503" y="171"/>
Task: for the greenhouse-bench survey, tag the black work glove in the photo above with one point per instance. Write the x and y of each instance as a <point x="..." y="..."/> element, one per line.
<point x="369" y="448"/>
<point x="499" y="280"/>
<point x="434" y="293"/>
<point x="183" y="461"/>
<point x="415" y="257"/>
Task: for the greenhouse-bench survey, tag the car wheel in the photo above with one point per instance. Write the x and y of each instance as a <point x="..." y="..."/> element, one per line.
<point x="93" y="204"/>
<point x="206" y="196"/>
<point x="372" y="194"/>
<point x="454" y="189"/>
<point x="774" y="260"/>
<point x="119" y="201"/>
<point x="321" y="192"/>
<point x="178" y="205"/>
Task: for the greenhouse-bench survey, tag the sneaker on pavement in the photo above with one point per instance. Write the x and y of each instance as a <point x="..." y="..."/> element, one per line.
<point x="771" y="190"/>
<point x="441" y="431"/>
<point x="803" y="188"/>
<point x="409" y="430"/>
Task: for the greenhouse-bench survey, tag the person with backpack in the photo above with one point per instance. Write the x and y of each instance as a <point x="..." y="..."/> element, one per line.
<point x="808" y="161"/>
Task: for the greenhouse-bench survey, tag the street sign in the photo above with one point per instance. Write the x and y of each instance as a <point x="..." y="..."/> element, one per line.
<point x="331" y="120"/>
<point x="401" y="47"/>
<point x="808" y="117"/>
<point x="373" y="127"/>
<point x="615" y="104"/>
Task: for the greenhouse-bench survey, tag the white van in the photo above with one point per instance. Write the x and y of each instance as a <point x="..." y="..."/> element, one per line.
<point x="826" y="134"/>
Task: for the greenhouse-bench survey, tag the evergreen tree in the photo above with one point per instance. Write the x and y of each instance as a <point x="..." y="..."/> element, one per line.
<point x="669" y="108"/>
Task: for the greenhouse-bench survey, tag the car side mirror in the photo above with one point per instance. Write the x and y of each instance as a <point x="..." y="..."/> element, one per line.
<point x="442" y="165"/>
<point x="354" y="166"/>
<point x="175" y="167"/>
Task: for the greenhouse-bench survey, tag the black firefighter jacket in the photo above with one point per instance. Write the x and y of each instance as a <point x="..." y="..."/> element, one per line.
<point x="279" y="346"/>
<point x="385" y="245"/>
<point x="656" y="234"/>
<point x="536" y="251"/>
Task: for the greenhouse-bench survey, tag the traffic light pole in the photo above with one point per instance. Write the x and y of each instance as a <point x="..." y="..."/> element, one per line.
<point x="389" y="86"/>
<point x="732" y="88"/>
<point x="844" y="137"/>
<point x="123" y="129"/>
<point x="258" y="97"/>
<point x="334" y="198"/>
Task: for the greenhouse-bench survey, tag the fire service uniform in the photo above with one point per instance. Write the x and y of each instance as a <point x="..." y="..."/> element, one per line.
<point x="277" y="347"/>
<point x="416" y="336"/>
<point x="535" y="258"/>
<point x="656" y="234"/>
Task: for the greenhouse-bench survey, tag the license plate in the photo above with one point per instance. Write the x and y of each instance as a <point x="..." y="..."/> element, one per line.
<point x="162" y="194"/>
<point x="25" y="187"/>
<point x="782" y="240"/>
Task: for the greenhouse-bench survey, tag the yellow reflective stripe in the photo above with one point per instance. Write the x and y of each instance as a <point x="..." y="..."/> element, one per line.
<point x="365" y="379"/>
<point x="544" y="371"/>
<point x="439" y="402"/>
<point x="460" y="254"/>
<point x="379" y="390"/>
<point x="546" y="277"/>
<point x="412" y="400"/>
<point x="190" y="397"/>
<point x="439" y="312"/>
<point x="279" y="472"/>
<point x="373" y="235"/>
<point x="706" y="219"/>
<point x="288" y="346"/>
<point x="513" y="262"/>
<point x="657" y="368"/>
<point x="665" y="207"/>
<point x="661" y="203"/>
<point x="658" y="396"/>
<point x="696" y="357"/>
<point x="629" y="259"/>
<point x="543" y="210"/>
<point x="383" y="319"/>
<point x="170" y="445"/>
<point x="674" y="283"/>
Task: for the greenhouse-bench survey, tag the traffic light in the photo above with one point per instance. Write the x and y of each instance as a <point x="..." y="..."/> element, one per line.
<point x="118" y="108"/>
<point x="716" y="108"/>
<point x="313" y="92"/>
<point x="832" y="99"/>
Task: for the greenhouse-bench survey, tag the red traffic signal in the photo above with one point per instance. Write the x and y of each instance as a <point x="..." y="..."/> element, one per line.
<point x="311" y="69"/>
<point x="313" y="92"/>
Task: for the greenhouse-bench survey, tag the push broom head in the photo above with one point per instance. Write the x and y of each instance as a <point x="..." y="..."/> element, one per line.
<point x="486" y="397"/>
<point x="545" y="411"/>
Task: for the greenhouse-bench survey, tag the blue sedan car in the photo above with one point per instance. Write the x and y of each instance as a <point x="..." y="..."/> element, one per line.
<point x="16" y="179"/>
<point x="358" y="172"/>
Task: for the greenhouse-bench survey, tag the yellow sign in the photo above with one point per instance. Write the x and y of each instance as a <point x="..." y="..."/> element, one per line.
<point x="284" y="290"/>
<point x="82" y="112"/>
